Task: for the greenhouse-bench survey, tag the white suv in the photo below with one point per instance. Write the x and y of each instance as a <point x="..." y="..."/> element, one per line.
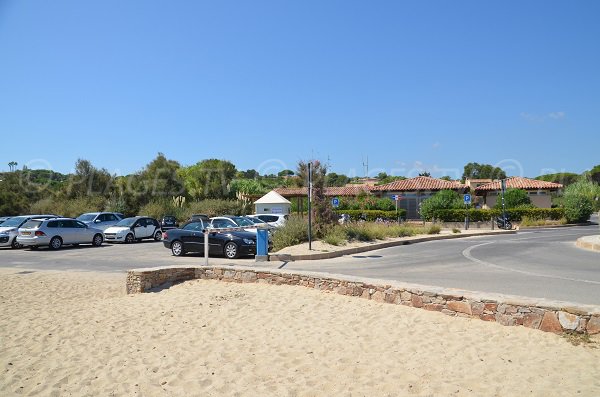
<point x="276" y="220"/>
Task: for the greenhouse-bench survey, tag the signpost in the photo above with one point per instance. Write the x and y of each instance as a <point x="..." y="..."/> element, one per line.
<point x="335" y="202"/>
<point x="467" y="201"/>
<point x="397" y="198"/>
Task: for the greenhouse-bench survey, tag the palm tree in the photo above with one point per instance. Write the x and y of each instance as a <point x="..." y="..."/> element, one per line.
<point x="13" y="165"/>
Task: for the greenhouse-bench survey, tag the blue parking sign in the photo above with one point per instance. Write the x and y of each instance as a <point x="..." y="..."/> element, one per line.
<point x="467" y="198"/>
<point x="335" y="202"/>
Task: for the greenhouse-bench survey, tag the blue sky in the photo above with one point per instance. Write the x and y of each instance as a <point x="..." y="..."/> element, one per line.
<point x="412" y="85"/>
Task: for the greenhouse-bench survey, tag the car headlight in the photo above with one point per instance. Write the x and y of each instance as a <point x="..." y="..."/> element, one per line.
<point x="249" y="241"/>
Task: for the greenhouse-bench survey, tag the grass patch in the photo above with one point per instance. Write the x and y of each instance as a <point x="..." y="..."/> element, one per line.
<point x="294" y="232"/>
<point x="456" y="230"/>
<point x="532" y="222"/>
<point x="434" y="229"/>
<point x="336" y="236"/>
<point x="577" y="339"/>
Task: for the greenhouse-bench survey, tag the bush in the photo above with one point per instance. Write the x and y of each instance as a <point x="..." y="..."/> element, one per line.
<point x="434" y="229"/>
<point x="335" y="236"/>
<point x="485" y="215"/>
<point x="373" y="215"/>
<point x="68" y="207"/>
<point x="214" y="207"/>
<point x="578" y="208"/>
<point x="294" y="232"/>
<point x="514" y="198"/>
<point x="442" y="200"/>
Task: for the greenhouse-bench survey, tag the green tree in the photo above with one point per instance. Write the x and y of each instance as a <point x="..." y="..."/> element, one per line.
<point x="442" y="200"/>
<point x="514" y="198"/>
<point x="334" y="179"/>
<point x="88" y="181"/>
<point x="482" y="171"/>
<point x="564" y="178"/>
<point x="594" y="174"/>
<point x="208" y="179"/>
<point x="285" y="173"/>
<point x="580" y="199"/>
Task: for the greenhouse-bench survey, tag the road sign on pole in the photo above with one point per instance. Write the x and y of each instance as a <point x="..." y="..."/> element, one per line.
<point x="396" y="197"/>
<point x="335" y="202"/>
<point x="467" y="199"/>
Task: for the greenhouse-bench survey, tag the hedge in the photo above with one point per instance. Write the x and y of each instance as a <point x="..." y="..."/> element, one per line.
<point x="484" y="215"/>
<point x="372" y="215"/>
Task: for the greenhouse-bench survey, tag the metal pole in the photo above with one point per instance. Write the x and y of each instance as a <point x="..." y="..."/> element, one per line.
<point x="310" y="206"/>
<point x="503" y="186"/>
<point x="205" y="247"/>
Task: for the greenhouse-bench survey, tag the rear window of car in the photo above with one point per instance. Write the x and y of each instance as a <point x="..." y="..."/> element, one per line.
<point x="53" y="224"/>
<point x="269" y="218"/>
<point x="31" y="224"/>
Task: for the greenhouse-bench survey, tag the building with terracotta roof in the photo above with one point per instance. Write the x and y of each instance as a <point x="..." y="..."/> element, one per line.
<point x="412" y="192"/>
<point x="540" y="192"/>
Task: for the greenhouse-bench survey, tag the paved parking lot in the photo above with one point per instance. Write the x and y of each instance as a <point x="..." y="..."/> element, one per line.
<point x="107" y="258"/>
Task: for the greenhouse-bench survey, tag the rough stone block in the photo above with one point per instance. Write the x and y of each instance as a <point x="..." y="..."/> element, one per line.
<point x="550" y="323"/>
<point x="490" y="307"/>
<point x="391" y="297"/>
<point x="568" y="321"/>
<point x="365" y="294"/>
<point x="593" y="325"/>
<point x="449" y="312"/>
<point x="532" y="320"/>
<point x="416" y="301"/>
<point x="460" y="306"/>
<point x="505" y="319"/>
<point x="405" y="296"/>
<point x="378" y="296"/>
<point x="477" y="308"/>
<point x="488" y="317"/>
<point x="434" y="307"/>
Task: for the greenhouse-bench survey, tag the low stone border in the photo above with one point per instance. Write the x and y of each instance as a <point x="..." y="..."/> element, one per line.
<point x="377" y="246"/>
<point x="549" y="316"/>
<point x="589" y="242"/>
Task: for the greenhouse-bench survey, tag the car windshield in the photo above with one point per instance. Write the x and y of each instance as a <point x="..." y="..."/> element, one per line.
<point x="127" y="222"/>
<point x="86" y="217"/>
<point x="257" y="221"/>
<point x="198" y="226"/>
<point x="32" y="224"/>
<point x="241" y="221"/>
<point x="14" y="222"/>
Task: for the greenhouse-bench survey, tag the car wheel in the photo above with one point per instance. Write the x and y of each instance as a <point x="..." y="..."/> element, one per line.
<point x="55" y="243"/>
<point x="15" y="244"/>
<point x="231" y="250"/>
<point x="157" y="235"/>
<point x="129" y="238"/>
<point x="98" y="240"/>
<point x="177" y="248"/>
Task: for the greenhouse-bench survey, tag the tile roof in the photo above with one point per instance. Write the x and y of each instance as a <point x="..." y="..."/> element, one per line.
<point x="329" y="191"/>
<point x="420" y="183"/>
<point x="518" y="182"/>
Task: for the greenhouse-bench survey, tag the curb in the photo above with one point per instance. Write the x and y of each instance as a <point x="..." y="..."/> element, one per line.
<point x="557" y="226"/>
<point x="588" y="245"/>
<point x="376" y="246"/>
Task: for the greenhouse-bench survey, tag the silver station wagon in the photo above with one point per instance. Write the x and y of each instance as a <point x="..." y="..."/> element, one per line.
<point x="55" y="233"/>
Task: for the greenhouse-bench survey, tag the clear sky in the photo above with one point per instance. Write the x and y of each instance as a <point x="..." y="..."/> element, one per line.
<point x="412" y="85"/>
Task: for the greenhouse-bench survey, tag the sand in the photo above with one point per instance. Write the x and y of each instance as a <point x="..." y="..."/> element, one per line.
<point x="78" y="334"/>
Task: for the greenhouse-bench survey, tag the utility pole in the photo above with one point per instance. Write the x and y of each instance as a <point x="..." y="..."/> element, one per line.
<point x="366" y="167"/>
<point x="503" y="186"/>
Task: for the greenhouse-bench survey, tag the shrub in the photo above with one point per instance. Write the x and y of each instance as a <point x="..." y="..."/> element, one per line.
<point x="485" y="215"/>
<point x="336" y="235"/>
<point x="442" y="200"/>
<point x="578" y="208"/>
<point x="68" y="207"/>
<point x="434" y="229"/>
<point x="214" y="207"/>
<point x="294" y="232"/>
<point x="455" y="230"/>
<point x="514" y="198"/>
<point x="371" y="216"/>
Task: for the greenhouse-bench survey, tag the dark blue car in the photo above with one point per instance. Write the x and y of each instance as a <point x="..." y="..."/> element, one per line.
<point x="190" y="238"/>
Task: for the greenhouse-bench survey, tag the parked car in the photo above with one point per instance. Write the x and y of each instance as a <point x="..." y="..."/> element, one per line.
<point x="199" y="217"/>
<point x="9" y="229"/>
<point x="233" y="221"/>
<point x="133" y="229"/>
<point x="276" y="220"/>
<point x="4" y="219"/>
<point x="168" y="222"/>
<point x="56" y="232"/>
<point x="190" y="238"/>
<point x="101" y="220"/>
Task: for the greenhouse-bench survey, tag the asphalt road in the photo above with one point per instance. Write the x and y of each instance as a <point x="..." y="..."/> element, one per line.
<point x="539" y="263"/>
<point x="542" y="263"/>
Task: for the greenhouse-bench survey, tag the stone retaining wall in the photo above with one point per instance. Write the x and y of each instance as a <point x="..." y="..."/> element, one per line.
<point x="557" y="317"/>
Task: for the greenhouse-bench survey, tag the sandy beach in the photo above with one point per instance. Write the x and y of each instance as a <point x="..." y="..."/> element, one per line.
<point x="79" y="334"/>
